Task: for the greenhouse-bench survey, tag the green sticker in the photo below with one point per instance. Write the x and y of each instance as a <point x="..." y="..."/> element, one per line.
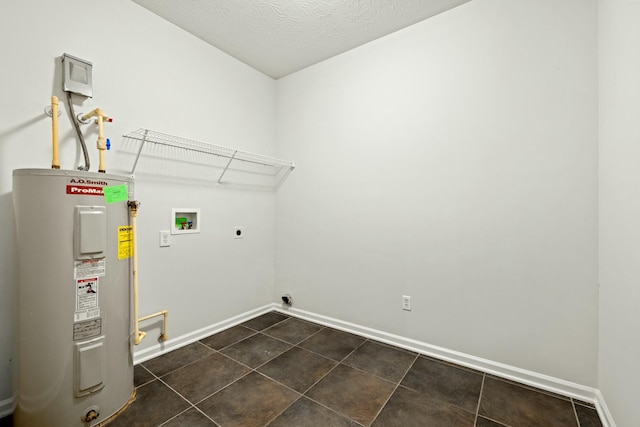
<point x="115" y="193"/>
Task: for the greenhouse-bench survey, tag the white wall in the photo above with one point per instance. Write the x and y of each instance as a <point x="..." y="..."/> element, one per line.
<point x="619" y="136"/>
<point x="454" y="161"/>
<point x="147" y="73"/>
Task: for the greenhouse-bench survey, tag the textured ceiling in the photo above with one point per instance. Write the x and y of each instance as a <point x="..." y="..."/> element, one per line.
<point x="279" y="37"/>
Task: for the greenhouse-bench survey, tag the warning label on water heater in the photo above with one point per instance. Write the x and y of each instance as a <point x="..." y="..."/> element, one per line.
<point x="88" y="329"/>
<point x="87" y="297"/>
<point x="89" y="268"/>
<point x="125" y="241"/>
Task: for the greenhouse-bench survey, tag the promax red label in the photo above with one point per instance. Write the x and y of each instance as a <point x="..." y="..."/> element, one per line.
<point x="84" y="190"/>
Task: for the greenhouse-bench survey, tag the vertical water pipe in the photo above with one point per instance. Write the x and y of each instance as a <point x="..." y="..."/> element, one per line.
<point x="138" y="335"/>
<point x="55" y="161"/>
<point x="101" y="143"/>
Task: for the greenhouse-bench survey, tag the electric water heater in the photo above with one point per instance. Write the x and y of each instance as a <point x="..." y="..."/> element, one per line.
<point x="75" y="365"/>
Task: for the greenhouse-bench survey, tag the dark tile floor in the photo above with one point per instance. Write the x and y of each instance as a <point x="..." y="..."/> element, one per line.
<point x="280" y="371"/>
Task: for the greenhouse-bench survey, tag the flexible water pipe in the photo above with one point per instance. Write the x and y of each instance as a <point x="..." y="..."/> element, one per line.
<point x="138" y="335"/>
<point x="76" y="126"/>
<point x="55" y="161"/>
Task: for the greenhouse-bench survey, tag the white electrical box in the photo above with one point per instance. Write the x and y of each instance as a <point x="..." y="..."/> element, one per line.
<point x="76" y="75"/>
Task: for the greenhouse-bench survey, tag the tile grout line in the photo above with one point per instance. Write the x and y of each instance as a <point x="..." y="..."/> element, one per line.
<point x="171" y="388"/>
<point x="267" y="327"/>
<point x="185" y="365"/>
<point x="192" y="405"/>
<point x="188" y="409"/>
<point x="233" y="343"/>
<point x="395" y="388"/>
<point x="353" y="351"/>
<point x="322" y="355"/>
<point x="322" y="327"/>
<point x="155" y="377"/>
<point x="207" y="416"/>
<point x="450" y="366"/>
<point x="300" y="395"/>
<point x="263" y="363"/>
<point x="327" y="407"/>
<point x="217" y="391"/>
<point x="173" y="417"/>
<point x="575" y="412"/>
<point x="303" y="394"/>
<point x="475" y="422"/>
<point x="322" y="377"/>
<point x="496" y="421"/>
<point x="338" y="363"/>
<point x="228" y="385"/>
<point x="285" y="386"/>
<point x="251" y="369"/>
<point x="530" y="387"/>
<point x="297" y="345"/>
<point x="417" y="355"/>
<point x="369" y="373"/>
<point x="294" y="344"/>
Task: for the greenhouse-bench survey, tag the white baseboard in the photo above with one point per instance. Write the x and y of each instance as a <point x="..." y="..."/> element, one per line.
<point x="181" y="341"/>
<point x="603" y="411"/>
<point x="7" y="407"/>
<point x="523" y="376"/>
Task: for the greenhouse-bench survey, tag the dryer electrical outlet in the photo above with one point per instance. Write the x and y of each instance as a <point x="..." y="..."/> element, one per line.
<point x="406" y="302"/>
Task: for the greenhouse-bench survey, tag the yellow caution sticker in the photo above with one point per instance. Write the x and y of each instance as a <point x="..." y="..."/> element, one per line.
<point x="125" y="241"/>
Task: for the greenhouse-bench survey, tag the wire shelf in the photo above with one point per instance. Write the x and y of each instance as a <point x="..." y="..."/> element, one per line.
<point x="280" y="168"/>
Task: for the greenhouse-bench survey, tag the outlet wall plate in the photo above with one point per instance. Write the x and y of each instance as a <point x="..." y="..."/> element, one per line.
<point x="406" y="302"/>
<point x="165" y="238"/>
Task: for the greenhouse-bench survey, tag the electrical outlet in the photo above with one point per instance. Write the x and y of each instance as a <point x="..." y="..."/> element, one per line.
<point x="406" y="302"/>
<point x="165" y="239"/>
